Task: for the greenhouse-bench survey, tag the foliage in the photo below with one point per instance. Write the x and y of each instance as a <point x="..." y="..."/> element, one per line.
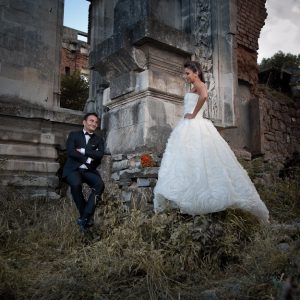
<point x="147" y="160"/>
<point x="280" y="60"/>
<point x="131" y="254"/>
<point x="74" y="91"/>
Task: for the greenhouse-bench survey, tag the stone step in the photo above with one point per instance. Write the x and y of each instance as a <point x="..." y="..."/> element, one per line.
<point x="19" y="165"/>
<point x="26" y="193"/>
<point x="40" y="151"/>
<point x="28" y="137"/>
<point x="28" y="180"/>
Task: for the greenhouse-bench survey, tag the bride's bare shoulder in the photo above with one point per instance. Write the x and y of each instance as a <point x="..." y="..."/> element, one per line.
<point x="201" y="89"/>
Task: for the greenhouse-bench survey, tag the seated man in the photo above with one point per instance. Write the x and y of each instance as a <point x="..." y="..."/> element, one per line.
<point x="85" y="150"/>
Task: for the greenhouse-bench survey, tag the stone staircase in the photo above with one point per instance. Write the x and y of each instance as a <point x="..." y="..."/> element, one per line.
<point x="28" y="153"/>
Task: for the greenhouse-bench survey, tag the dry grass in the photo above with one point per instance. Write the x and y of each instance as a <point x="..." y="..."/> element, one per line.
<point x="136" y="255"/>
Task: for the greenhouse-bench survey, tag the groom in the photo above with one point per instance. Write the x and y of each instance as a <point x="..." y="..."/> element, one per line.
<point x="85" y="150"/>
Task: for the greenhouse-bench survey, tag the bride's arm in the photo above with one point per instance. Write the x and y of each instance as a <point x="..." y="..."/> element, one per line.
<point x="201" y="90"/>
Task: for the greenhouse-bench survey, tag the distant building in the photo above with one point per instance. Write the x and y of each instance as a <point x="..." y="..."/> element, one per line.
<point x="74" y="52"/>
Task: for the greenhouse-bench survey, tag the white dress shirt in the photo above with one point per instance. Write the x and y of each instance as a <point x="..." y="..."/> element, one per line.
<point x="82" y="151"/>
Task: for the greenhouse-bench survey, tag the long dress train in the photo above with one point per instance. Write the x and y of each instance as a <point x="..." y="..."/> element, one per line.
<point x="199" y="172"/>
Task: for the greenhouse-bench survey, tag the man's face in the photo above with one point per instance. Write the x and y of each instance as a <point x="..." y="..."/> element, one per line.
<point x="90" y="124"/>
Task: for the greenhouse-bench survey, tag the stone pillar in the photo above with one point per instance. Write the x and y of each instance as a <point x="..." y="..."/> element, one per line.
<point x="247" y="135"/>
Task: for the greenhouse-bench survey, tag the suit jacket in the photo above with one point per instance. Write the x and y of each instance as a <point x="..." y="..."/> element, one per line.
<point x="93" y="149"/>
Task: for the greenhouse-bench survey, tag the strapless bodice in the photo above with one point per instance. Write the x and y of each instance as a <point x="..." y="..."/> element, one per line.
<point x="190" y="101"/>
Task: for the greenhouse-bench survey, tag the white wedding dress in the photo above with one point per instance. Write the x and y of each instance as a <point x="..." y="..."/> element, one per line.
<point x="200" y="174"/>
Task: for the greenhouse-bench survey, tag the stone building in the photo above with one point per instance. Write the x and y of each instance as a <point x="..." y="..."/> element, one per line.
<point x="137" y="52"/>
<point x="33" y="125"/>
<point x="74" y="52"/>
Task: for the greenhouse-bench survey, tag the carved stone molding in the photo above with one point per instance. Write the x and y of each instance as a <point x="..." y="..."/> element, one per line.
<point x="213" y="27"/>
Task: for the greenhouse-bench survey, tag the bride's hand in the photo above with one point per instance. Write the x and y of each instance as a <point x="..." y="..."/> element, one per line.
<point x="189" y="116"/>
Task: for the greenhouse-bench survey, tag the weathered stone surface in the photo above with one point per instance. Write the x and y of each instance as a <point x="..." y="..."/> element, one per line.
<point x="105" y="169"/>
<point x="140" y="126"/>
<point x="280" y="135"/>
<point x="25" y="180"/>
<point x="120" y="165"/>
<point x="143" y="182"/>
<point x="122" y="85"/>
<point x="40" y="151"/>
<point x="30" y="166"/>
<point x="29" y="49"/>
<point x="115" y="176"/>
<point x="29" y="143"/>
<point x="33" y="127"/>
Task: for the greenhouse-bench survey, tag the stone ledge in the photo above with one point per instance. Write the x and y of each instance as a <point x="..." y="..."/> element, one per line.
<point x="28" y="180"/>
<point x="11" y="106"/>
<point x="147" y="31"/>
<point x="40" y="151"/>
<point x="29" y="166"/>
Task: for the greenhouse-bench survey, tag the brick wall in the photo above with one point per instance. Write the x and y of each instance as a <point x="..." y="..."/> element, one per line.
<point x="73" y="60"/>
<point x="74" y="52"/>
<point x="251" y="15"/>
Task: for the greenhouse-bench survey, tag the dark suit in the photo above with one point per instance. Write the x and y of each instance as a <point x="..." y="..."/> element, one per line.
<point x="75" y="175"/>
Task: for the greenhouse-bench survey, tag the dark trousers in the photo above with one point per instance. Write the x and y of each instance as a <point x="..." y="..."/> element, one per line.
<point x="94" y="181"/>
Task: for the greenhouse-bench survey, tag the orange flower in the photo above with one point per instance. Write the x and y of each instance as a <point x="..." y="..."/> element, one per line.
<point x="147" y="160"/>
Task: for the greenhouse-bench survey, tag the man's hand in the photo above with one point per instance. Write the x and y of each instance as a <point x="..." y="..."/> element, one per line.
<point x="81" y="150"/>
<point x="189" y="116"/>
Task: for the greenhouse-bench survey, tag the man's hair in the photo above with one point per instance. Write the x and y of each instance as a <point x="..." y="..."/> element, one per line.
<point x="90" y="114"/>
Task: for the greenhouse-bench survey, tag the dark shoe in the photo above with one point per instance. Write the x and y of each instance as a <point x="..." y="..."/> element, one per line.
<point x="82" y="224"/>
<point x="90" y="223"/>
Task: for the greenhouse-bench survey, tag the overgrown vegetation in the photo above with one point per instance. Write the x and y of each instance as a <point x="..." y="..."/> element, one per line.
<point x="74" y="91"/>
<point x="139" y="255"/>
<point x="281" y="60"/>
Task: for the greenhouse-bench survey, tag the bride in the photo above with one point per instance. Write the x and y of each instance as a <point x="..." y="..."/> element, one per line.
<point x="199" y="173"/>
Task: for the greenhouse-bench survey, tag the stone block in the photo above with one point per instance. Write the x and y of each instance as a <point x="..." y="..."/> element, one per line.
<point x="47" y="138"/>
<point x="130" y="173"/>
<point x="28" y="150"/>
<point x="30" y="166"/>
<point x="117" y="157"/>
<point x="105" y="168"/>
<point x="150" y="172"/>
<point x="141" y="126"/>
<point x="115" y="176"/>
<point x="122" y="85"/>
<point x="28" y="180"/>
<point x="120" y="165"/>
<point x="143" y="182"/>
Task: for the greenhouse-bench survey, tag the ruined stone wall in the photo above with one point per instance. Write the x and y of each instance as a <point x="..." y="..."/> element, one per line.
<point x="280" y="126"/>
<point x="251" y="16"/>
<point x="73" y="60"/>
<point x="74" y="53"/>
<point x="32" y="125"/>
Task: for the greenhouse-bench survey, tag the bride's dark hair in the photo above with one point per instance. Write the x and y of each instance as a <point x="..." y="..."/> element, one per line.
<point x="195" y="67"/>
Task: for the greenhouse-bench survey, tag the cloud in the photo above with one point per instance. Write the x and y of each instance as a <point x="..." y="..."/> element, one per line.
<point x="281" y="30"/>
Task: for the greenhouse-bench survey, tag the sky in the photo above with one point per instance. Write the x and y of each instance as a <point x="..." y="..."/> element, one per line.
<point x="280" y="32"/>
